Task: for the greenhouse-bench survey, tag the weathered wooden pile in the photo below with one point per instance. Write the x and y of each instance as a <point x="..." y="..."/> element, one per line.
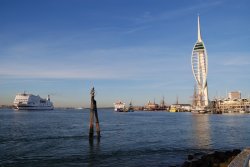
<point x="93" y="115"/>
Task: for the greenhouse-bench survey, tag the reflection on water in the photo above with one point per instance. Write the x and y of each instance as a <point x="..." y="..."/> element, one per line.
<point x="201" y="130"/>
<point x="60" y="138"/>
<point x="94" y="151"/>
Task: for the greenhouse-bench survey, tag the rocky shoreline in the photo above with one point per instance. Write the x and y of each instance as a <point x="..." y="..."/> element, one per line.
<point x="215" y="159"/>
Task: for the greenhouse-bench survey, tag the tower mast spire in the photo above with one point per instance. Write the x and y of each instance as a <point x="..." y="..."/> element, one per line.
<point x="199" y="68"/>
<point x="199" y="29"/>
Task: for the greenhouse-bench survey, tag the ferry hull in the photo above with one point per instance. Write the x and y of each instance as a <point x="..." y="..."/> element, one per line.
<point x="34" y="108"/>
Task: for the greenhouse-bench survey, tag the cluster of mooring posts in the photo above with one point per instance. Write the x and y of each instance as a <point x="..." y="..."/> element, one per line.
<point x="93" y="115"/>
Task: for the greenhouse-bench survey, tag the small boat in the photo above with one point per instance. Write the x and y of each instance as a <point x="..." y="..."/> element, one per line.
<point x="202" y="112"/>
<point x="199" y="110"/>
<point x="173" y="109"/>
<point x="242" y="111"/>
<point x="130" y="108"/>
<point x="195" y="111"/>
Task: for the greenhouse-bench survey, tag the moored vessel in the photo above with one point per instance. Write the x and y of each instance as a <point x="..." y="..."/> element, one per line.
<point x="24" y="101"/>
<point x="173" y="109"/>
<point x="119" y="106"/>
<point x="130" y="108"/>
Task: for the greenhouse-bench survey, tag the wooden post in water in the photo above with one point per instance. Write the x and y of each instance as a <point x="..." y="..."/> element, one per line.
<point x="93" y="111"/>
<point x="91" y="121"/>
<point x="97" y="121"/>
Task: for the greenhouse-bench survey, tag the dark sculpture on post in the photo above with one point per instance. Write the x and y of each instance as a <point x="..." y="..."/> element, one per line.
<point x="93" y="113"/>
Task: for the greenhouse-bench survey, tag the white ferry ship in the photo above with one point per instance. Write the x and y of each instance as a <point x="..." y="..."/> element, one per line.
<point x="24" y="101"/>
<point x="119" y="106"/>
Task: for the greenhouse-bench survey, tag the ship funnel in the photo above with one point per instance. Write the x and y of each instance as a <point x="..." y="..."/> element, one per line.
<point x="48" y="98"/>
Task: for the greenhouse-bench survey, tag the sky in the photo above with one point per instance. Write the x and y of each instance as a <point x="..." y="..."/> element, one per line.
<point x="129" y="50"/>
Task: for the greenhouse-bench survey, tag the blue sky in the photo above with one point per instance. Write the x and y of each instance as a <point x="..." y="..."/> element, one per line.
<point x="137" y="50"/>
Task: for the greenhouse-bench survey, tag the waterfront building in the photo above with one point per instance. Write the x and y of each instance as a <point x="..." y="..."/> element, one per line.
<point x="234" y="95"/>
<point x="232" y="104"/>
<point x="199" y="68"/>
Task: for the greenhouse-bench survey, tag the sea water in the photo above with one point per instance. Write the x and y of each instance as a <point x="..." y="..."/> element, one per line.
<point x="60" y="137"/>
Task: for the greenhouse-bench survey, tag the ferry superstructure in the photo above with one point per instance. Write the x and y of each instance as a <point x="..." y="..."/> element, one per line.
<point x="119" y="106"/>
<point x="24" y="101"/>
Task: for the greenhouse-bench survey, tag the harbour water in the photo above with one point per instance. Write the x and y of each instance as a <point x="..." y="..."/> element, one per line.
<point x="60" y="137"/>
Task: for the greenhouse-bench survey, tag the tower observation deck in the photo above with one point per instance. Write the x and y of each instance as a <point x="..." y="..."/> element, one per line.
<point x="199" y="67"/>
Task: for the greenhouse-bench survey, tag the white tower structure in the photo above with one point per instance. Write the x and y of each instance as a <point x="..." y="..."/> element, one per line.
<point x="199" y="67"/>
